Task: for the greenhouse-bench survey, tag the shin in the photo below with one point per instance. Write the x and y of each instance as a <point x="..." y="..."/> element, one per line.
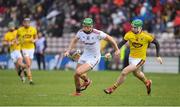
<point x="125" y="72"/>
<point x="28" y="63"/>
<point x="80" y="70"/>
<point x="140" y="75"/>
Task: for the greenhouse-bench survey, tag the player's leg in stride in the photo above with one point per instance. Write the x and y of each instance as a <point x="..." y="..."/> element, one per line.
<point x="140" y="75"/>
<point x="28" y="62"/>
<point x="121" y="78"/>
<point x="86" y="82"/>
<point x="20" y="67"/>
<point x="79" y="74"/>
<point x="134" y="67"/>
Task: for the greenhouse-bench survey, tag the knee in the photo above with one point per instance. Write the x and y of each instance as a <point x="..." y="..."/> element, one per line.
<point x="77" y="73"/>
<point x="134" y="73"/>
<point x="123" y="73"/>
<point x="28" y="65"/>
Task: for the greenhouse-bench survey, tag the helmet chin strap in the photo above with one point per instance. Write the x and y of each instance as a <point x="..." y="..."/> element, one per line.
<point x="87" y="32"/>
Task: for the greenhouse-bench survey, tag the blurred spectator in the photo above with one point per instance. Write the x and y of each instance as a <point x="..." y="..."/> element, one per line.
<point x="41" y="46"/>
<point x="177" y="25"/>
<point x="58" y="17"/>
<point x="126" y="27"/>
<point x="94" y="9"/>
<point x="159" y="26"/>
<point x="118" y="2"/>
<point x="114" y="31"/>
<point x="55" y="17"/>
<point x="98" y="24"/>
<point x="59" y="24"/>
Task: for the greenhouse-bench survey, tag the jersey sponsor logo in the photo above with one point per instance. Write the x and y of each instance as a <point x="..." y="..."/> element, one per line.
<point x="90" y="38"/>
<point x="89" y="43"/>
<point x="27" y="36"/>
<point x="137" y="45"/>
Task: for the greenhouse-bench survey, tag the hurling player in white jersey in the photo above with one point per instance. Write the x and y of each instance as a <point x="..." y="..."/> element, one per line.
<point x="90" y="37"/>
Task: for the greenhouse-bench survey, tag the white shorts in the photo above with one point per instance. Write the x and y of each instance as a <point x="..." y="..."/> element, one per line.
<point x="15" y="55"/>
<point x="138" y="62"/>
<point x="91" y="60"/>
<point x="71" y="64"/>
<point x="28" y="53"/>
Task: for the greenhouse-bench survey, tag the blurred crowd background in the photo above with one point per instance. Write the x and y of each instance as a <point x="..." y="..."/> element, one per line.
<point x="58" y="20"/>
<point x="113" y="16"/>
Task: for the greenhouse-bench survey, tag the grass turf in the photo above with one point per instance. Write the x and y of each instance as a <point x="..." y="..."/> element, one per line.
<point x="55" y="88"/>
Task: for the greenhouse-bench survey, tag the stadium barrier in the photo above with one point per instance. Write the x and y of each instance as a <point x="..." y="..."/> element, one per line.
<point x="170" y="64"/>
<point x="179" y="64"/>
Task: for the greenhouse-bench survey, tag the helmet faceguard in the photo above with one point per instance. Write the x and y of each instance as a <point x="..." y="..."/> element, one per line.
<point x="87" y="25"/>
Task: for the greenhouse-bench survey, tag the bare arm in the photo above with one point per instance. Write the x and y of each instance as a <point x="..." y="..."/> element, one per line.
<point x="112" y="41"/>
<point x="17" y="39"/>
<point x="114" y="44"/>
<point x="71" y="46"/>
<point x="73" y="43"/>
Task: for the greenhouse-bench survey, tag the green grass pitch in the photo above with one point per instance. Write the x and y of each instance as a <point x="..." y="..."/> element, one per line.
<point x="55" y="88"/>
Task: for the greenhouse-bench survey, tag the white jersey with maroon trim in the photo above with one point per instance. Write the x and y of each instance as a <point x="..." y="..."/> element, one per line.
<point x="91" y="42"/>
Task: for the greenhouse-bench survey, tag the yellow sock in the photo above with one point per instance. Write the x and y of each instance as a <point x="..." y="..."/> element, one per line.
<point x="144" y="80"/>
<point x="29" y="76"/>
<point x="115" y="86"/>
